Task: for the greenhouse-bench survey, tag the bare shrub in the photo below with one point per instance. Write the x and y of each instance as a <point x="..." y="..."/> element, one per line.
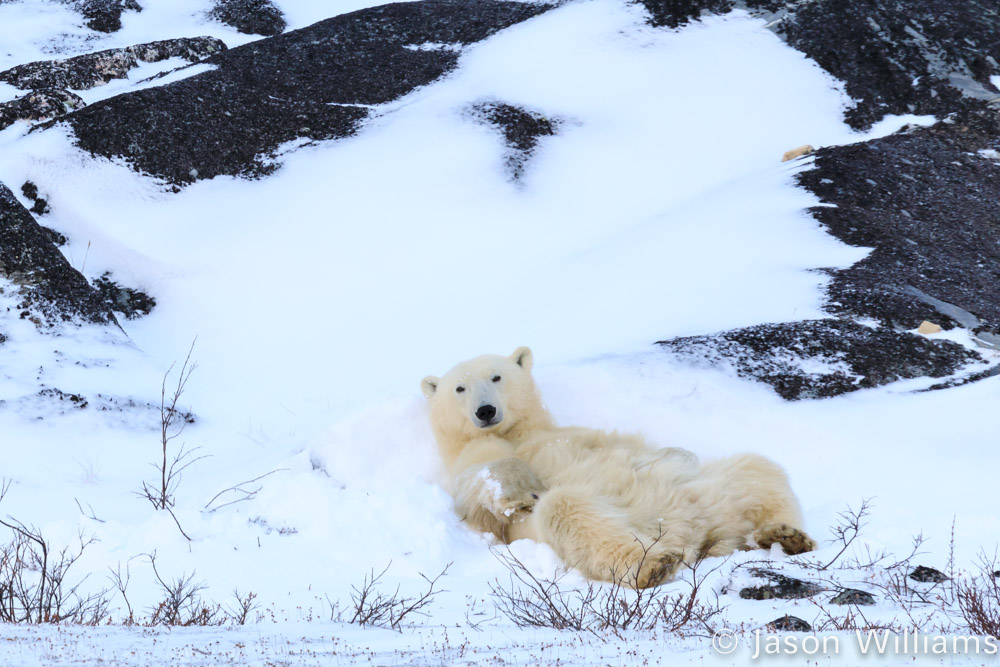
<point x="239" y="493"/>
<point x="531" y="601"/>
<point x="173" y="421"/>
<point x="848" y="527"/>
<point x="372" y="607"/>
<point x="34" y="579"/>
<point x="181" y="603"/>
<point x="978" y="599"/>
<point x="121" y="582"/>
<point x="853" y="620"/>
<point x="245" y="605"/>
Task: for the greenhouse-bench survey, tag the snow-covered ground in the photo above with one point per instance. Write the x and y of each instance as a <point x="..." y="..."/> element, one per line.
<point x="321" y="295"/>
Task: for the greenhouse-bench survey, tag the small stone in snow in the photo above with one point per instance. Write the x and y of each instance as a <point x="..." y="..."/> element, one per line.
<point x="928" y="328"/>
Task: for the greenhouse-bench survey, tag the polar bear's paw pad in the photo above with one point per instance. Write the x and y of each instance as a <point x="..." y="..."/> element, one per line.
<point x="792" y="540"/>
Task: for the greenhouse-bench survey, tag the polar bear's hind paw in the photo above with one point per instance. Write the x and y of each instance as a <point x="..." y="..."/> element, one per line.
<point x="792" y="540"/>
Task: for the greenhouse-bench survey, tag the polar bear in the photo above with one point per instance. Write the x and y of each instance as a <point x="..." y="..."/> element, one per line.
<point x="607" y="503"/>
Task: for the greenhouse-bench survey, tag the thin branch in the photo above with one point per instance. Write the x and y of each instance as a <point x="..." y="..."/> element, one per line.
<point x="236" y="488"/>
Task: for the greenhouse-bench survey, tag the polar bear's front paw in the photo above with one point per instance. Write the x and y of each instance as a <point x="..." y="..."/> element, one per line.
<point x="521" y="501"/>
<point x="511" y="487"/>
<point x="792" y="540"/>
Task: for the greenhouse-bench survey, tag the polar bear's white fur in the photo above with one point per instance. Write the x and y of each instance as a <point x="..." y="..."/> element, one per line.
<point x="607" y="503"/>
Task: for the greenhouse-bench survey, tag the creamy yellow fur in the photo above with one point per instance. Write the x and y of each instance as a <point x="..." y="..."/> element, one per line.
<point x="607" y="503"/>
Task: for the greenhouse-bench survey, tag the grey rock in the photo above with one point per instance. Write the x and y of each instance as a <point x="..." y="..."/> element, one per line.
<point x="789" y="624"/>
<point x="40" y="206"/>
<point x="317" y="83"/>
<point x="41" y="104"/>
<point x="105" y="15"/>
<point x="96" y="69"/>
<point x="854" y="356"/>
<point x="926" y="574"/>
<point x="130" y="302"/>
<point x="853" y="596"/>
<point x="780" y="587"/>
<point x="252" y="17"/>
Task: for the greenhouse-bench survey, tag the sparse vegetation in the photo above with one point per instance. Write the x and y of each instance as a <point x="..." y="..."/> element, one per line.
<point x="35" y="583"/>
<point x="978" y="598"/>
<point x="371" y="607"/>
<point x="173" y="421"/>
<point x="531" y="601"/>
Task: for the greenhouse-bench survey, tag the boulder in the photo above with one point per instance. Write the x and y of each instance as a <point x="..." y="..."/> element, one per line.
<point x="789" y="624"/>
<point x="521" y="129"/>
<point x="252" y="17"/>
<point x="780" y="587"/>
<point x="41" y="104"/>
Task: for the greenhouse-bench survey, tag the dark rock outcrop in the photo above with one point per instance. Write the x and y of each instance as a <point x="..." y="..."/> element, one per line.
<point x="96" y="69"/>
<point x="49" y="289"/>
<point x="130" y="302"/>
<point x="316" y="83"/>
<point x="521" y="130"/>
<point x="252" y="17"/>
<point x="675" y="13"/>
<point x="41" y="104"/>
<point x="922" y="199"/>
<point x="918" y="56"/>
<point x="822" y="358"/>
<point x="50" y="401"/>
<point x="926" y="201"/>
<point x="105" y="15"/>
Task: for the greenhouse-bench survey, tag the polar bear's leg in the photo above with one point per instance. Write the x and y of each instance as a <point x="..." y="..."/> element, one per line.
<point x="596" y="536"/>
<point x="751" y="495"/>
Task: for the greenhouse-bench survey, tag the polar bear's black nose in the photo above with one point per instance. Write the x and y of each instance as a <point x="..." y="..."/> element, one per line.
<point x="484" y="413"/>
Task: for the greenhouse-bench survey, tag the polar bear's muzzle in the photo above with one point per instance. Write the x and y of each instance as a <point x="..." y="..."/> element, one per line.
<point x="488" y="410"/>
<point x="488" y="415"/>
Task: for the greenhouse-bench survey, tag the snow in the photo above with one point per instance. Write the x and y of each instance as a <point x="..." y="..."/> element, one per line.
<point x="321" y="295"/>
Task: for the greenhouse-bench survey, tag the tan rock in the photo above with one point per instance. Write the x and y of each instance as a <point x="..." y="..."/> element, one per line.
<point x="797" y="152"/>
<point x="928" y="328"/>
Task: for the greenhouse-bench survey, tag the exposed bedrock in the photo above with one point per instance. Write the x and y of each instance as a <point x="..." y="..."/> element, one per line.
<point x="314" y="83"/>
<point x="48" y="289"/>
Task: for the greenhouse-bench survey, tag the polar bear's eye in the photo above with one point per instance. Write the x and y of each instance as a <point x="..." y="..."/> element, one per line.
<point x="496" y="378"/>
<point x="459" y="389"/>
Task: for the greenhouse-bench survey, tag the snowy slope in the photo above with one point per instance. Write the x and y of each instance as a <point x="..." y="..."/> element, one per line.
<point x="319" y="297"/>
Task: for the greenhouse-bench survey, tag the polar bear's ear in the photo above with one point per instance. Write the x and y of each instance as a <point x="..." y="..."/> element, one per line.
<point x="522" y="357"/>
<point x="429" y="385"/>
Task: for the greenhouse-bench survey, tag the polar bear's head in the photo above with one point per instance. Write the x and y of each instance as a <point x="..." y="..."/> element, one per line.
<point x="491" y="394"/>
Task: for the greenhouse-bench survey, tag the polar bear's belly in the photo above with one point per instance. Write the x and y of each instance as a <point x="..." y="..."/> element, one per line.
<point x="623" y="474"/>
